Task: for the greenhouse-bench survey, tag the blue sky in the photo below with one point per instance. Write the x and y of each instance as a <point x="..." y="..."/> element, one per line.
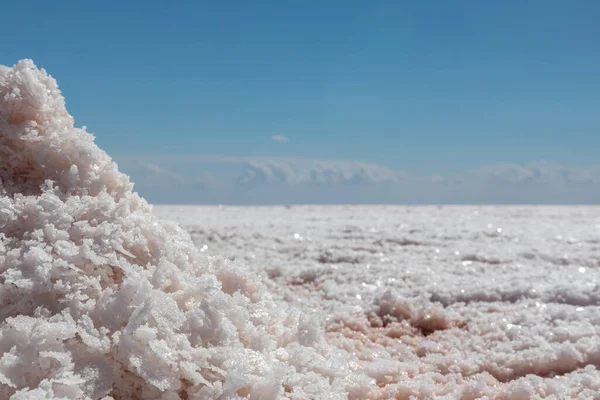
<point x="423" y="86"/>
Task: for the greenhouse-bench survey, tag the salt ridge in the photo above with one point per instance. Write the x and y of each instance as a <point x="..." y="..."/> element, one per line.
<point x="99" y="298"/>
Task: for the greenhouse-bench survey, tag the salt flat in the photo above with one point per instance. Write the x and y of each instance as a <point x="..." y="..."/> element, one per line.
<point x="463" y="302"/>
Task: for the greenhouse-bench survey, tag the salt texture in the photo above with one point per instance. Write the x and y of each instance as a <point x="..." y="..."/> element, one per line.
<point x="434" y="302"/>
<point x="101" y="298"/>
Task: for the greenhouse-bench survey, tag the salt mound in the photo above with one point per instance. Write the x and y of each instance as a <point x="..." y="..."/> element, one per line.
<point x="101" y="298"/>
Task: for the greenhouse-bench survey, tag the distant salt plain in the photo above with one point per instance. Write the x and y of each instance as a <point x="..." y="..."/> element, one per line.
<point x="435" y="302"/>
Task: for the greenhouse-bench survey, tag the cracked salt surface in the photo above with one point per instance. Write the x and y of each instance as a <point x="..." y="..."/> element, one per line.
<point x="436" y="302"/>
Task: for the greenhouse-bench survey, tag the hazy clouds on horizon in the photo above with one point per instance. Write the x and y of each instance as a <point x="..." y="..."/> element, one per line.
<point x="263" y="181"/>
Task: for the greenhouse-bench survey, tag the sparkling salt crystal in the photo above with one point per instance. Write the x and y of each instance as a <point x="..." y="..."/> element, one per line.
<point x="101" y="299"/>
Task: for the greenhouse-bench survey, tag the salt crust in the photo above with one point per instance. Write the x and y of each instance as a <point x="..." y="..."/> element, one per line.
<point x="445" y="302"/>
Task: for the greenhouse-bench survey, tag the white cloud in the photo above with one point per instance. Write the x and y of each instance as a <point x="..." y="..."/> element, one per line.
<point x="322" y="172"/>
<point x="538" y="172"/>
<point x="150" y="174"/>
<point x="253" y="180"/>
<point x="280" y="138"/>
